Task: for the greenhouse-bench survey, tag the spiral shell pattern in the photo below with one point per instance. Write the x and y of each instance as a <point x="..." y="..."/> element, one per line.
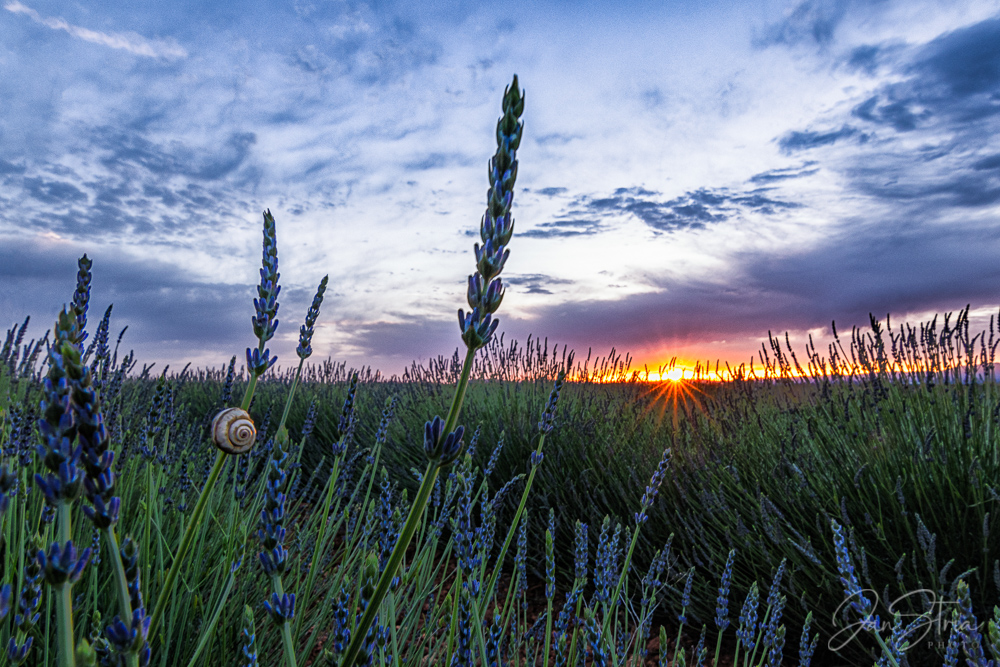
<point x="233" y="431"/>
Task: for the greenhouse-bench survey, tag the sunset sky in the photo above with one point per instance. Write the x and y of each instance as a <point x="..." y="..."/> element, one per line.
<point x="693" y="174"/>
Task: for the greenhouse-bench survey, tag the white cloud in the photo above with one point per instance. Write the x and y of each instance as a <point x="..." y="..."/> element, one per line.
<point x="127" y="41"/>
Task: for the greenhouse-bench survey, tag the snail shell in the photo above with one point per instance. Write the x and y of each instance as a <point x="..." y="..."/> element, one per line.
<point x="233" y="431"/>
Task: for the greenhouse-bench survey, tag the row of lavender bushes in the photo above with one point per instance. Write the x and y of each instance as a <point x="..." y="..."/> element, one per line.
<point x="375" y="536"/>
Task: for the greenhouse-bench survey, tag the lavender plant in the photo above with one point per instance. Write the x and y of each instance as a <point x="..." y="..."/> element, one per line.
<point x="443" y="439"/>
<point x="265" y="323"/>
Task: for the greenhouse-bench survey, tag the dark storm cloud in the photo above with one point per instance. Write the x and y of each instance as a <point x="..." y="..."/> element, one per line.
<point x="951" y="84"/>
<point x="945" y="94"/>
<point x="784" y="174"/>
<point x="864" y="58"/>
<point x="399" y="343"/>
<point x="53" y="192"/>
<point x="208" y="163"/>
<point x="564" y="226"/>
<point x="898" y="114"/>
<point x="812" y="21"/>
<point x="991" y="162"/>
<point x="169" y="314"/>
<point x="11" y="168"/>
<point x="796" y="141"/>
<point x="368" y="44"/>
<point x="534" y="283"/>
<point x="966" y="62"/>
<point x="693" y="210"/>
<point x="440" y="161"/>
<point x="126" y="198"/>
<point x="891" y="267"/>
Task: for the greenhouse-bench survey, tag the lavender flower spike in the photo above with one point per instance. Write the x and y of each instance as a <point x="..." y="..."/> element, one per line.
<point x="265" y="322"/>
<point x="654" y="486"/>
<point x="486" y="289"/>
<point x="847" y="576"/>
<point x="61" y="565"/>
<point x="81" y="299"/>
<point x="306" y="332"/>
<point x="722" y="602"/>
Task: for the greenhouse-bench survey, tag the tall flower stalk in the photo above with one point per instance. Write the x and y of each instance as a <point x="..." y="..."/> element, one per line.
<point x="68" y="404"/>
<point x="272" y="532"/>
<point x="265" y="323"/>
<point x="442" y="440"/>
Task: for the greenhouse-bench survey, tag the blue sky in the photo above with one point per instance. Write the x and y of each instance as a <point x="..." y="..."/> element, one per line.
<point x="693" y="174"/>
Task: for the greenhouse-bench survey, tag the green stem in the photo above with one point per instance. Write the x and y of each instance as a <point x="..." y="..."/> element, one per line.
<point x="195" y="521"/>
<point x="291" y="393"/>
<point x="395" y="558"/>
<point x="306" y="593"/>
<point x="186" y="541"/>
<point x="456" y="401"/>
<point x="286" y="627"/>
<point x="621" y="579"/>
<point x="548" y="633"/>
<point x="718" y="647"/>
<point x="412" y="521"/>
<point x="207" y="633"/>
<point x="121" y="584"/>
<point x="514" y="523"/>
<point x="64" y="596"/>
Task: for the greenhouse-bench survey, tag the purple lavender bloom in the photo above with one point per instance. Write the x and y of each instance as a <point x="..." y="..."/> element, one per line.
<point x="550" y="559"/>
<point x="306" y="332"/>
<point x="30" y="598"/>
<point x="965" y="620"/>
<point x="4" y="601"/>
<point x="445" y="449"/>
<point x="493" y="640"/>
<point x="686" y="596"/>
<point x="81" y="300"/>
<point x="722" y="602"/>
<point x="495" y="454"/>
<point x="485" y="288"/>
<point x="281" y="608"/>
<point x="594" y="638"/>
<point x="951" y="653"/>
<point x="100" y="344"/>
<point x="61" y="564"/>
<point x="701" y="651"/>
<point x="847" y="576"/>
<point x="777" y="645"/>
<point x="18" y="654"/>
<point x="654" y="486"/>
<point x="521" y="557"/>
<point x="546" y="424"/>
<point x="347" y="412"/>
<point x="747" y="631"/>
<point x="265" y="322"/>
<point x="807" y="647"/>
<point x="130" y="638"/>
<point x="258" y="363"/>
<point x="272" y="532"/>
<point x="227" y="387"/>
<point x="249" y="635"/>
<point x="581" y="551"/>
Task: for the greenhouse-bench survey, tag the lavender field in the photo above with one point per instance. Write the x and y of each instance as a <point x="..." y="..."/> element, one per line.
<point x="820" y="507"/>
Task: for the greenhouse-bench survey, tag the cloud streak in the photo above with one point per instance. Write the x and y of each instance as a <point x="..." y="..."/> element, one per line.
<point x="129" y="41"/>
